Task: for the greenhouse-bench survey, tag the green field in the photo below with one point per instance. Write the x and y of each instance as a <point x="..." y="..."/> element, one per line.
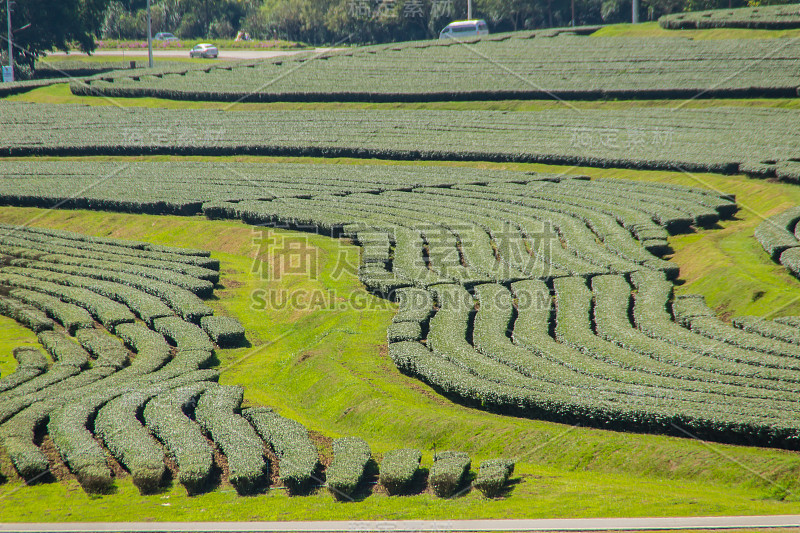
<point x="106" y="162"/>
<point x="331" y="374"/>
<point x="645" y="138"/>
<point x="520" y="65"/>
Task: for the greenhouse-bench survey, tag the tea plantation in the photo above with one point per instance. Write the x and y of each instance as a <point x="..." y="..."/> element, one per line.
<point x="761" y="141"/>
<point x="517" y="65"/>
<point x="776" y="17"/>
<point x="581" y="311"/>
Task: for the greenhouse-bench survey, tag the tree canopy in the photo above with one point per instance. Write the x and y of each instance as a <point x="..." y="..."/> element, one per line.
<point x="54" y="24"/>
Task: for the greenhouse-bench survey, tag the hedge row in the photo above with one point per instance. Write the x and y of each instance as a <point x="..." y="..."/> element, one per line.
<point x="23" y="414"/>
<point x="30" y="363"/>
<point x="185" y="335"/>
<point x="351" y="456"/>
<point x="68" y="427"/>
<point x="24" y="392"/>
<point x="106" y="311"/>
<point x="136" y="249"/>
<point x="122" y="432"/>
<point x="768" y="328"/>
<point x="765" y="17"/>
<point x="165" y="417"/>
<point x="29" y="316"/>
<point x="145" y="306"/>
<point x="691" y="391"/>
<point x="776" y="233"/>
<point x="493" y="476"/>
<point x="688" y="306"/>
<point x="414" y="305"/>
<point x="179" y="273"/>
<point x="297" y="455"/>
<point x="108" y="350"/>
<point x="793" y="321"/>
<point x="653" y="319"/>
<point x="398" y="469"/>
<point x="520" y="228"/>
<point x="63" y="349"/>
<point x="741" y="134"/>
<point x="201" y="287"/>
<point x="448" y="473"/>
<point x="600" y="408"/>
<point x="225" y="331"/>
<point x="68" y="315"/>
<point x="448" y="338"/>
<point x="670" y="68"/>
<point x="216" y="413"/>
<point x="634" y="221"/>
<point x="129" y="442"/>
<point x="81" y="452"/>
<point x="151" y="348"/>
<point x="181" y="301"/>
<point x="790" y="258"/>
<point x="712" y="327"/>
<point x="404" y="331"/>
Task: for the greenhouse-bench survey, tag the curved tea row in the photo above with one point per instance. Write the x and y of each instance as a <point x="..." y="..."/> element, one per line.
<point x="130" y="342"/>
<point x="533" y="294"/>
<point x="124" y="326"/>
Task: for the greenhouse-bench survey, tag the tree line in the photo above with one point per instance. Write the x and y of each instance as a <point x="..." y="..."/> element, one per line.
<point x="372" y="21"/>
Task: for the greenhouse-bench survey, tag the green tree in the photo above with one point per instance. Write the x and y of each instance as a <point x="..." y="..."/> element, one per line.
<point x="54" y="24"/>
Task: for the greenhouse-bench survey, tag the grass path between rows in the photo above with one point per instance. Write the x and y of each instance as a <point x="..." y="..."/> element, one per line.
<point x="326" y="366"/>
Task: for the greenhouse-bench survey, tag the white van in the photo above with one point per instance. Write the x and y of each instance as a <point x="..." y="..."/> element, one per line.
<point x="464" y="28"/>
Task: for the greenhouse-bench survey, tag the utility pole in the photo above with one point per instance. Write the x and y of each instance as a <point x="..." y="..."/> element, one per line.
<point x="635" y="14"/>
<point x="469" y="9"/>
<point x="10" y="45"/>
<point x="149" y="36"/>
<point x="573" y="13"/>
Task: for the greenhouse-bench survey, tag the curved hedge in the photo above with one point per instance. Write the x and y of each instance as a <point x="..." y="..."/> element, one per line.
<point x="216" y="412"/>
<point x="297" y="455"/>
<point x="165" y="418"/>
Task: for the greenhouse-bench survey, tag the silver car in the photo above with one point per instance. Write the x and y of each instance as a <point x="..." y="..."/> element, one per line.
<point x="461" y="29"/>
<point x="206" y="50"/>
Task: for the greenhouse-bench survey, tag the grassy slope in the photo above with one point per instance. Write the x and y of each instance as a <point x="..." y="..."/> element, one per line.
<point x="329" y="370"/>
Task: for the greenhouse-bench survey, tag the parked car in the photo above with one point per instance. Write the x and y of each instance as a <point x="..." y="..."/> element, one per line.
<point x="206" y="50"/>
<point x="464" y="28"/>
<point x="164" y="36"/>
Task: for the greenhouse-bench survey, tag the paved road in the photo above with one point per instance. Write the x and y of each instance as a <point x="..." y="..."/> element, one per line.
<point x="583" y="524"/>
<point x="166" y="54"/>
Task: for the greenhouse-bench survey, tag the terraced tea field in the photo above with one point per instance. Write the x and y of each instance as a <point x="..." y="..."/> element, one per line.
<point x="501" y="243"/>
<point x="468" y="325"/>
<point x="761" y="141"/>
<point x="506" y="66"/>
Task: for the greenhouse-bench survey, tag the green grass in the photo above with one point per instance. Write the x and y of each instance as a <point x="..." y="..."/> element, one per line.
<point x="60" y="94"/>
<point x="328" y="369"/>
<point x="652" y="29"/>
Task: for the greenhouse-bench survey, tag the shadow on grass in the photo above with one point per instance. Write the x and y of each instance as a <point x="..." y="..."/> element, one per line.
<point x="507" y="489"/>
